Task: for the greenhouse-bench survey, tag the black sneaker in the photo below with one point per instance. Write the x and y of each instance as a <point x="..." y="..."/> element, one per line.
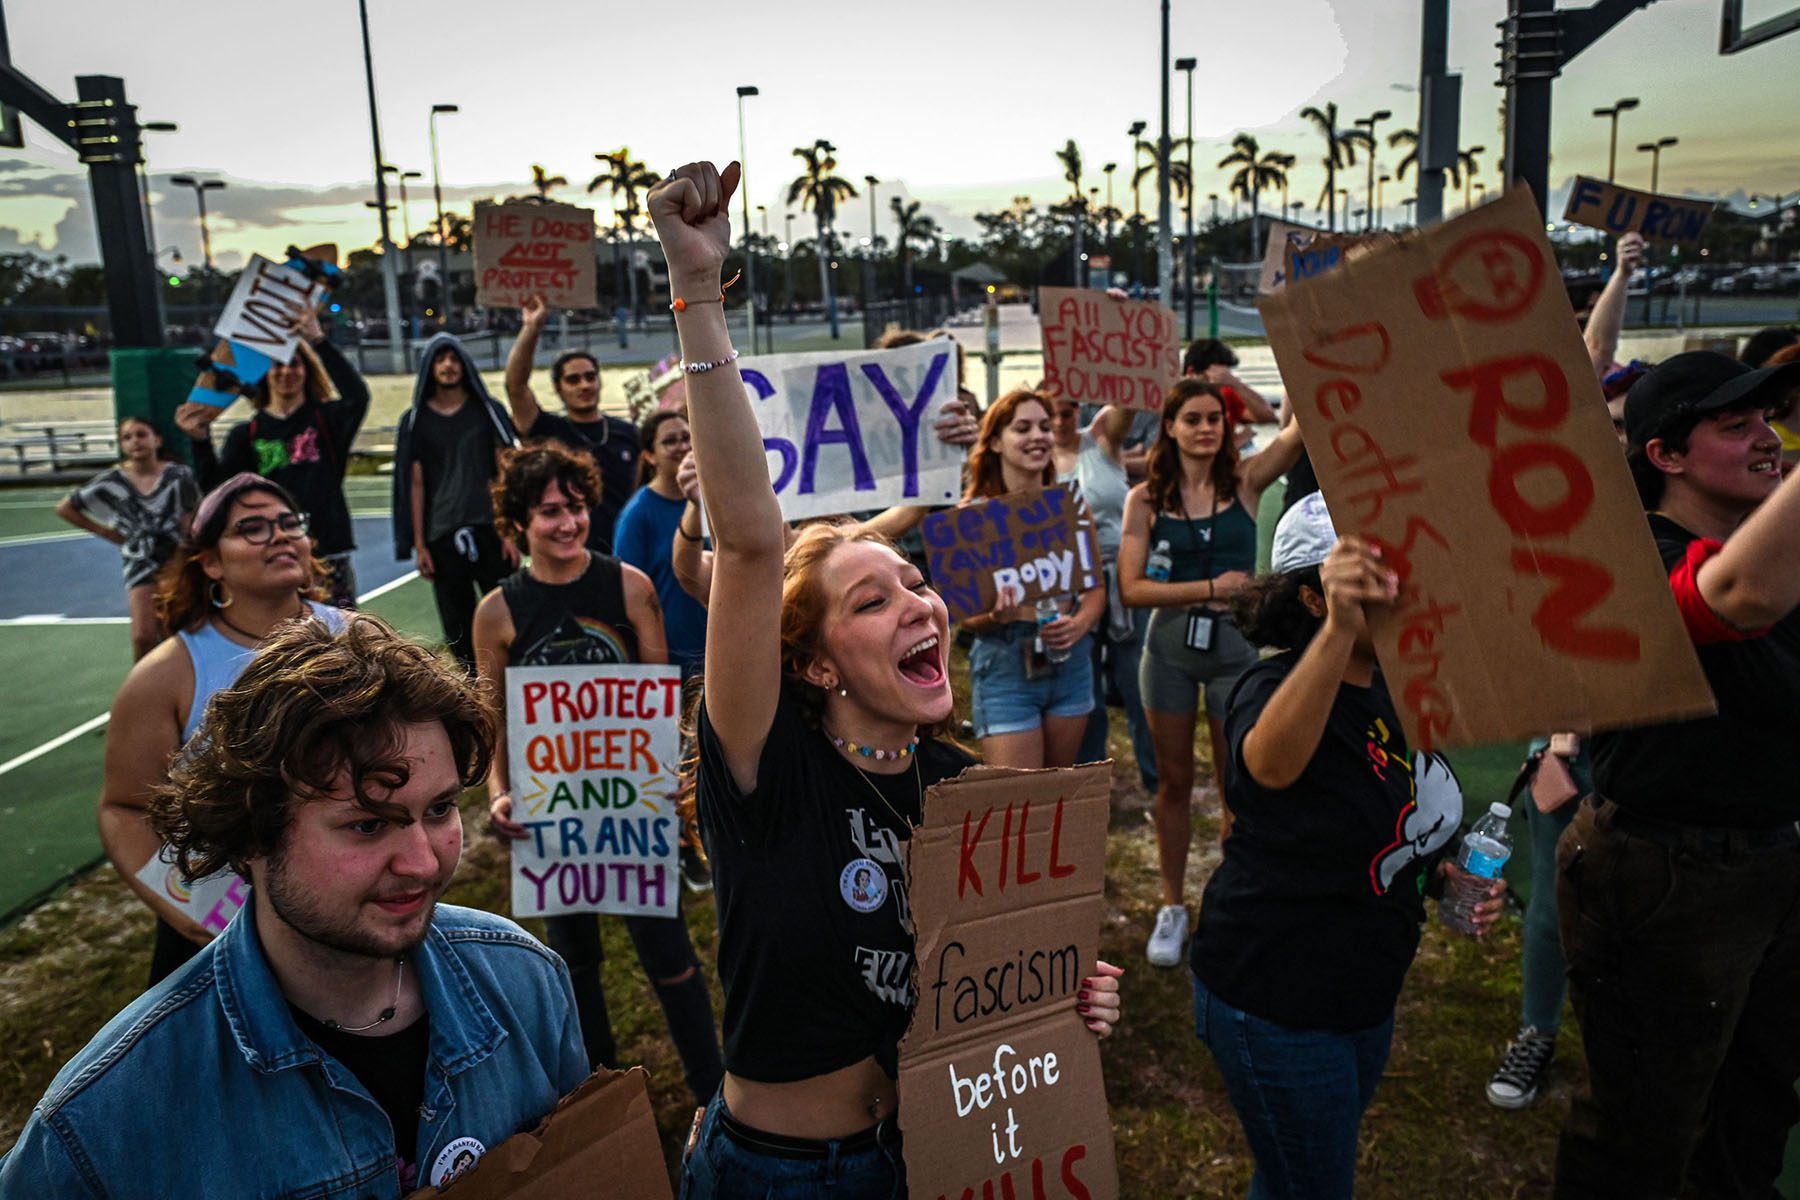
<point x="696" y="876"/>
<point x="1522" y="1071"/>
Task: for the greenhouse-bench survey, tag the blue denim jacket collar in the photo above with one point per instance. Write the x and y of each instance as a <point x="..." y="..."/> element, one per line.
<point x="464" y="1030"/>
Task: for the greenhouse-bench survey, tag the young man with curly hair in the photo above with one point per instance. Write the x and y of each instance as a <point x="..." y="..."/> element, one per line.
<point x="368" y="1038"/>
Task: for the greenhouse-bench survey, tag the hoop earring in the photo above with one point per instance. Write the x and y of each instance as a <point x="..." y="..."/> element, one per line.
<point x="214" y="591"/>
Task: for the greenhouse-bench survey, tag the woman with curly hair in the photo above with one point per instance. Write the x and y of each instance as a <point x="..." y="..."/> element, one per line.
<point x="245" y="568"/>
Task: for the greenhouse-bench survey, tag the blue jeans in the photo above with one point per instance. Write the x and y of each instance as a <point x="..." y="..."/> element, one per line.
<point x="1299" y="1093"/>
<point x="721" y="1169"/>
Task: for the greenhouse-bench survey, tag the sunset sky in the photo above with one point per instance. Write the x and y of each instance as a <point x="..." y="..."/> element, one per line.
<point x="960" y="105"/>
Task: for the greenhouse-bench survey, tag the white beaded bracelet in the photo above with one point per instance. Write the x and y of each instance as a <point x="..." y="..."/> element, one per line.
<point x="701" y="368"/>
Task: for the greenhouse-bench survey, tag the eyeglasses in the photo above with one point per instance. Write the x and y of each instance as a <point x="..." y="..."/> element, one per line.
<point x="260" y="531"/>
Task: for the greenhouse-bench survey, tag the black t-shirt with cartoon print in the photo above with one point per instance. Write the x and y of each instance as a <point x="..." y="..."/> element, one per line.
<point x="815" y="952"/>
<point x="1312" y="918"/>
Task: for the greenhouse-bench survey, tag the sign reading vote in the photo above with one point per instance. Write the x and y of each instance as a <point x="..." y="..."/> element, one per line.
<point x="1098" y="350"/>
<point x="525" y="248"/>
<point x="264" y="308"/>
<point x="999" y="1074"/>
<point x="851" y="431"/>
<point x="1601" y="205"/>
<point x="592" y="756"/>
<point x="1031" y="542"/>
<point x="1455" y="422"/>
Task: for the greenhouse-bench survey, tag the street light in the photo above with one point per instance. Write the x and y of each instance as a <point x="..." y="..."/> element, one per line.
<point x="1108" y="170"/>
<point x="405" y="214"/>
<point x="1612" y="148"/>
<point x="201" y="187"/>
<point x="1381" y="197"/>
<point x="787" y="262"/>
<point x="1654" y="150"/>
<point x="1186" y="66"/>
<point x="869" y="255"/>
<point x="1370" y="122"/>
<point x="744" y="190"/>
<point x="144" y="192"/>
<point x="1137" y="202"/>
<point x="390" y="283"/>
<point x="437" y="195"/>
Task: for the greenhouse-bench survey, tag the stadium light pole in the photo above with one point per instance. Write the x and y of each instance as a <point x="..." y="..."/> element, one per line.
<point x="1136" y="131"/>
<point x="1370" y="122"/>
<point x="390" y="280"/>
<point x="1165" y="233"/>
<point x="1186" y="67"/>
<point x="1654" y="150"/>
<point x="1612" y="145"/>
<point x="149" y="219"/>
<point x="201" y="187"/>
<point x="437" y="196"/>
<point x="744" y="190"/>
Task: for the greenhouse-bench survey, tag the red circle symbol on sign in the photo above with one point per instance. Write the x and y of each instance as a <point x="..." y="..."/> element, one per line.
<point x="1489" y="276"/>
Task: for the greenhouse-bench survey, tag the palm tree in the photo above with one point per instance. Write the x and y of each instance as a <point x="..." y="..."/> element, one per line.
<point x="1340" y="149"/>
<point x="1070" y="158"/>
<point x="822" y="191"/>
<point x="542" y="181"/>
<point x="915" y="228"/>
<point x="1465" y="159"/>
<point x="1410" y="139"/>
<point x="1256" y="171"/>
<point x="625" y="176"/>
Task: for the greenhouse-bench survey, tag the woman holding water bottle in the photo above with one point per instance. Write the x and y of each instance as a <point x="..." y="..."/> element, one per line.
<point x="1311" y="920"/>
<point x="1189" y="545"/>
<point x="1031" y="666"/>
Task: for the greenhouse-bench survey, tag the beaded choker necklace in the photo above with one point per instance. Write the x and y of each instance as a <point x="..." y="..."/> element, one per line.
<point x="872" y="752"/>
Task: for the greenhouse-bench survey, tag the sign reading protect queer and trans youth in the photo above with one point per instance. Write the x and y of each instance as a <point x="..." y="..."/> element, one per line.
<point x="1098" y="350"/>
<point x="1454" y="420"/>
<point x="999" y="1075"/>
<point x="525" y="248"/>
<point x="1031" y="542"/>
<point x="1601" y="205"/>
<point x="592" y="755"/>
<point x="851" y="431"/>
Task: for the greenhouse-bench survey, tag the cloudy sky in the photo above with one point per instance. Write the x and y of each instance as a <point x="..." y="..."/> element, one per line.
<point x="955" y="103"/>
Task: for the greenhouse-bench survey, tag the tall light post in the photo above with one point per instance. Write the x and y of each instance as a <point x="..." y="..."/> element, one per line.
<point x="149" y="220"/>
<point x="871" y="183"/>
<point x="744" y="190"/>
<point x="1381" y="198"/>
<point x="1469" y="177"/>
<point x="1654" y="150"/>
<point x="1137" y="203"/>
<point x="405" y="217"/>
<point x="1108" y="170"/>
<point x="201" y="187"/>
<point x="768" y="302"/>
<point x="787" y="256"/>
<point x="1370" y="122"/>
<point x="1186" y="67"/>
<point x="437" y="195"/>
<point x="1165" y="227"/>
<point x="390" y="282"/>
<point x="1214" y="197"/>
<point x="1612" y="145"/>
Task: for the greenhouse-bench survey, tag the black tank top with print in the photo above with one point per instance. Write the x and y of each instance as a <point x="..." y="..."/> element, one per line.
<point x="580" y="623"/>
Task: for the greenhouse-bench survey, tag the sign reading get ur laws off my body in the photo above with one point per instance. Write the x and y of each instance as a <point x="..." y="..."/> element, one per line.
<point x="1001" y="1094"/>
<point x="1456" y="423"/>
<point x="592" y="757"/>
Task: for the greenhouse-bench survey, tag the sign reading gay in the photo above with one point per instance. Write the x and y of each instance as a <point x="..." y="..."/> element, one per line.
<point x="847" y="431"/>
<point x="526" y="248"/>
<point x="592" y="756"/>
<point x="1098" y="350"/>
<point x="1535" y="598"/>
<point x="999" y="1075"/>
<point x="1602" y="205"/>
<point x="1033" y="542"/>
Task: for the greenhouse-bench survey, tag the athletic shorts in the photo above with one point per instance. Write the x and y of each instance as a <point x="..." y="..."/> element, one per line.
<point x="1171" y="674"/>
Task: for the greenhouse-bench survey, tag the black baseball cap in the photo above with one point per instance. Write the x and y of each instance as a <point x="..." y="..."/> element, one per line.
<point x="1696" y="383"/>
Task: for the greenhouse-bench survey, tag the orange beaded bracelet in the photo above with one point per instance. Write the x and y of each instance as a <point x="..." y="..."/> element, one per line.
<point x="681" y="305"/>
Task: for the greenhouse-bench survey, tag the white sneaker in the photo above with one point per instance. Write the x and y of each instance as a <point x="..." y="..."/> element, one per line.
<point x="1169" y="937"/>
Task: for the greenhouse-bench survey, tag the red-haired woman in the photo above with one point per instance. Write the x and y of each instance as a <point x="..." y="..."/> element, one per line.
<point x="1188" y="547"/>
<point x="827" y="686"/>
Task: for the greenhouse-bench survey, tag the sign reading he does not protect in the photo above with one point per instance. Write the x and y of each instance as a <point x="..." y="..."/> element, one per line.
<point x="1000" y="1086"/>
<point x="525" y="248"/>
<point x="1535" y="599"/>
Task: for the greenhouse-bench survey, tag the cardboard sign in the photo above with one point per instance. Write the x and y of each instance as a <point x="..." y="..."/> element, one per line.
<point x="1036" y="542"/>
<point x="1310" y="257"/>
<point x="1000" y="1086"/>
<point x="852" y="430"/>
<point x="228" y="372"/>
<point x="592" y="755"/>
<point x="1282" y="235"/>
<point x="1455" y="421"/>
<point x="1602" y="205"/>
<point x="210" y="902"/>
<point x="525" y="248"/>
<point x="267" y="302"/>
<point x="603" y="1130"/>
<point x="1098" y="350"/>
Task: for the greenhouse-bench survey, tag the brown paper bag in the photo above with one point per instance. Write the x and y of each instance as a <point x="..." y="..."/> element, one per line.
<point x="601" y="1137"/>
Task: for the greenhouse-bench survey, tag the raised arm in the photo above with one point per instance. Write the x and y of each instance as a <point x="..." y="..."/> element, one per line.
<point x="1110" y="427"/>
<point x="743" y="651"/>
<point x="1608" y="318"/>
<point x="520" y="361"/>
<point x="1260" y="410"/>
<point x="1755" y="580"/>
<point x="1269" y="464"/>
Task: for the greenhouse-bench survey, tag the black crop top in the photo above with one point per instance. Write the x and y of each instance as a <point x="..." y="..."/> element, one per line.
<point x="815" y="935"/>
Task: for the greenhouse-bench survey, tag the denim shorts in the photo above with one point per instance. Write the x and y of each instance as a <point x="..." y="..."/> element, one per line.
<point x="721" y="1167"/>
<point x="1004" y="701"/>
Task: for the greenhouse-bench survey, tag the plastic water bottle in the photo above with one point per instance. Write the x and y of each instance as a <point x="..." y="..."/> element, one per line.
<point x="1160" y="563"/>
<point x="1049" y="610"/>
<point x="1484" y="851"/>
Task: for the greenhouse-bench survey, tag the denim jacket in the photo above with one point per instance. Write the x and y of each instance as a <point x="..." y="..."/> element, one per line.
<point x="205" y="1086"/>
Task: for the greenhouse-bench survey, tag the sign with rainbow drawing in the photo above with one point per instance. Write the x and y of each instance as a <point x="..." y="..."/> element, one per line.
<point x="593" y="758"/>
<point x="211" y="901"/>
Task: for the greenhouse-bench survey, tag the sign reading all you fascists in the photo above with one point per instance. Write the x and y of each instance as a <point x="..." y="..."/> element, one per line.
<point x="1000" y="1087"/>
<point x="526" y="248"/>
<point x="592" y="756"/>
<point x="1098" y="350"/>
<point x="1455" y="422"/>
<point x="1031" y="542"/>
